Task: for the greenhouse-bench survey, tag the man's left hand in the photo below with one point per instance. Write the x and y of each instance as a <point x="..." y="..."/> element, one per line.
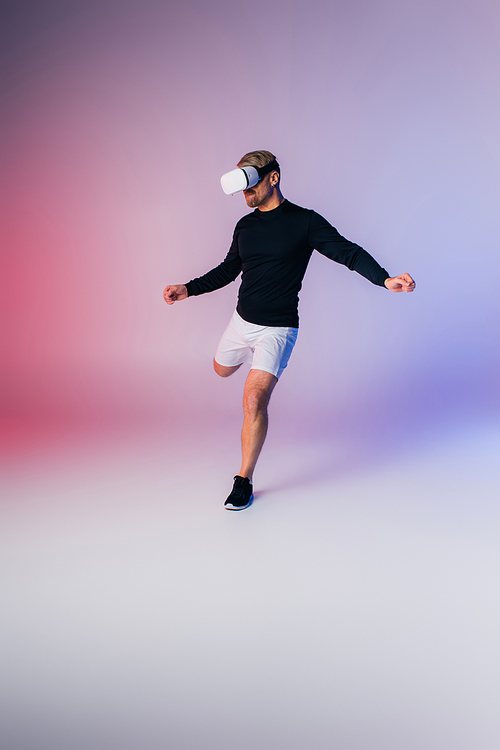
<point x="403" y="283"/>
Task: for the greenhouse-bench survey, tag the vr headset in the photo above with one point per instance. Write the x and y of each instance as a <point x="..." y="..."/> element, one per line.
<point x="243" y="178"/>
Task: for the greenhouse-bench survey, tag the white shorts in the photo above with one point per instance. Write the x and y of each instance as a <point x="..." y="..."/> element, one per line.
<point x="268" y="348"/>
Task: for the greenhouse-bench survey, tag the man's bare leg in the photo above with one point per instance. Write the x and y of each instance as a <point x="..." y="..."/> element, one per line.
<point x="225" y="372"/>
<point x="258" y="388"/>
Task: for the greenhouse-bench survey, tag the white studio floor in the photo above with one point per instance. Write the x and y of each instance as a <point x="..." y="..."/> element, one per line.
<point x="347" y="610"/>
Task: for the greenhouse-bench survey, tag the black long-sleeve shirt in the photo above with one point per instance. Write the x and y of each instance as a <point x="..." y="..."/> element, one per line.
<point x="272" y="250"/>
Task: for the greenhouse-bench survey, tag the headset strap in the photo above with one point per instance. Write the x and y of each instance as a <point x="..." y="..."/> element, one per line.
<point x="273" y="166"/>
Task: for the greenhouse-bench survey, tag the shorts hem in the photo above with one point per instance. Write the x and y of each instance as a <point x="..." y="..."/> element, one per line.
<point x="232" y="364"/>
<point x="266" y="369"/>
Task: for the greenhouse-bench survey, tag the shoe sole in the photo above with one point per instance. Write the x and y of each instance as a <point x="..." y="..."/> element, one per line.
<point x="229" y="506"/>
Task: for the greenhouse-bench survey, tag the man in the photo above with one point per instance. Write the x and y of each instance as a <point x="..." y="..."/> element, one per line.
<point x="271" y="248"/>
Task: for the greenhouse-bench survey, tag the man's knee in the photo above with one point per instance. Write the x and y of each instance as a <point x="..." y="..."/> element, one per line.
<point x="224" y="372"/>
<point x="255" y="401"/>
<point x="257" y="394"/>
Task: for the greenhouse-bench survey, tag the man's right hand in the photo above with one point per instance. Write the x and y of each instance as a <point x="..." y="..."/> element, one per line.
<point x="175" y="293"/>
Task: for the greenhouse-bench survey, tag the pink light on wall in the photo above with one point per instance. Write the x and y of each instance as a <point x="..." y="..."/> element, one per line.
<point x="117" y="123"/>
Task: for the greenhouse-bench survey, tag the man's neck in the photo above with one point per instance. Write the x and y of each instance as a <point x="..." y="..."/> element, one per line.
<point x="274" y="200"/>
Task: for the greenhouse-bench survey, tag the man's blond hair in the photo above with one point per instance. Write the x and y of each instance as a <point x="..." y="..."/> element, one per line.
<point x="257" y="159"/>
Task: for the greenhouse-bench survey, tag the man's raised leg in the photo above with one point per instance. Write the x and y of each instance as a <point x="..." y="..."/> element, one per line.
<point x="224" y="372"/>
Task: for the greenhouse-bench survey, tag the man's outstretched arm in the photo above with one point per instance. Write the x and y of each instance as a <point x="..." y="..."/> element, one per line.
<point x="218" y="277"/>
<point x="403" y="283"/>
<point x="174" y="293"/>
<point x="330" y="243"/>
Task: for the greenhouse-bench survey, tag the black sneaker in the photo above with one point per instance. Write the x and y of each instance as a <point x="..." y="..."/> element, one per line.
<point x="241" y="496"/>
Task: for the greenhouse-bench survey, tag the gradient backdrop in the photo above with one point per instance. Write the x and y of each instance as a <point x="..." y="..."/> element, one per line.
<point x="117" y="120"/>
